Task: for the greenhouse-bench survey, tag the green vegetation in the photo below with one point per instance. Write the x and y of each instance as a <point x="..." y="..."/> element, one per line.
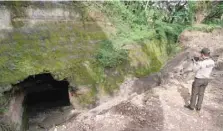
<point x="110" y="57"/>
<point x="52" y="50"/>
<point x="144" y="37"/>
<point x="212" y="11"/>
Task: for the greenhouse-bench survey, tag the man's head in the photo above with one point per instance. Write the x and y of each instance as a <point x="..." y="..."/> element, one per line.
<point x="205" y="52"/>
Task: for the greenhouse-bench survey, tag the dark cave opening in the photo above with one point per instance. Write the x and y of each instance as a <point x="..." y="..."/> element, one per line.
<point x="43" y="94"/>
<point x="43" y="91"/>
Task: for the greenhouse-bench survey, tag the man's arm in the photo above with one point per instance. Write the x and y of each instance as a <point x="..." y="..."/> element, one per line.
<point x="191" y="66"/>
<point x="196" y="65"/>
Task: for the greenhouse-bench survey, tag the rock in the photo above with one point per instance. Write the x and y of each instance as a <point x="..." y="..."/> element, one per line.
<point x="145" y="83"/>
<point x="219" y="63"/>
<point x="4" y="88"/>
<point x="16" y="109"/>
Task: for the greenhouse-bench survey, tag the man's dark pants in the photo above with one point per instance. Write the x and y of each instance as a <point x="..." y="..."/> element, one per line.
<point x="198" y="89"/>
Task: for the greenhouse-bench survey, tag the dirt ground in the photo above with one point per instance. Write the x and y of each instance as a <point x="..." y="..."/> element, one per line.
<point x="155" y="103"/>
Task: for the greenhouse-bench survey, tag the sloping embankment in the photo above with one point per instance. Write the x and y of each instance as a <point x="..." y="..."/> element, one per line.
<point x="161" y="108"/>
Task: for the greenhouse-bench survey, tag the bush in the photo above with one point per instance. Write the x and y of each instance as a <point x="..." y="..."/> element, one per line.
<point x="110" y="57"/>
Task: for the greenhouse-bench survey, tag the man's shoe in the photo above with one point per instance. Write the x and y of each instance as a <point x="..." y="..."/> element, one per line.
<point x="188" y="107"/>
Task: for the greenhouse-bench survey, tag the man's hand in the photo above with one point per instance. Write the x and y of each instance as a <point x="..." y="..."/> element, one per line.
<point x="196" y="58"/>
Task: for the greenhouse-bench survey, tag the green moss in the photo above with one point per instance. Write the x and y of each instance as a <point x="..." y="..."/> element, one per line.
<point x="112" y="81"/>
<point x="67" y="50"/>
<point x="154" y="64"/>
<point x="143" y="71"/>
<point x="51" y="49"/>
<point x="88" y="98"/>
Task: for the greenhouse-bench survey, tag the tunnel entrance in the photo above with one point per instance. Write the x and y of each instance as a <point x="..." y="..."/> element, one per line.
<point x="44" y="96"/>
<point x="45" y="92"/>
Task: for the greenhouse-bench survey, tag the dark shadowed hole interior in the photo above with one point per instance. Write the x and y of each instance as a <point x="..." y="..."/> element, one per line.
<point x="44" y="93"/>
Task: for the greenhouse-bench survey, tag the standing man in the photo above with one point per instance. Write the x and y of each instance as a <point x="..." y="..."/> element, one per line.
<point x="203" y="68"/>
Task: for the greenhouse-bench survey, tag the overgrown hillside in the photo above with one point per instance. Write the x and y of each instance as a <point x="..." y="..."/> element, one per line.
<point x="142" y="35"/>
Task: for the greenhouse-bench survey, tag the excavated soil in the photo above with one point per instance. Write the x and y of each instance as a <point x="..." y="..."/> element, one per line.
<point x="156" y="102"/>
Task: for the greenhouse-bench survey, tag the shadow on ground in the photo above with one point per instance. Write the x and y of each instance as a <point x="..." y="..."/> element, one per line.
<point x="216" y="91"/>
<point x="185" y="94"/>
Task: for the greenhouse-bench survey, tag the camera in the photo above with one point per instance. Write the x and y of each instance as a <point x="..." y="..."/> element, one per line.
<point x="195" y="58"/>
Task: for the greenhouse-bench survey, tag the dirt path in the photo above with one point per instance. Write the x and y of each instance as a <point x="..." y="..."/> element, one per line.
<point x="158" y="109"/>
<point x="177" y="118"/>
